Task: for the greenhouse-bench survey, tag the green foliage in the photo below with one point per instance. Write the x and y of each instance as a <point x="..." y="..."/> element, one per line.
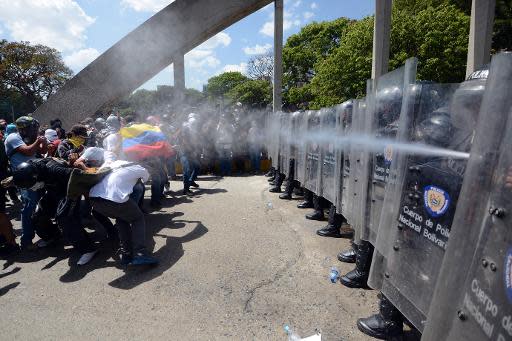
<point x="302" y="52"/>
<point x="33" y="71"/>
<point x="220" y="85"/>
<point x="163" y="100"/>
<point x="438" y="37"/>
<point x="252" y="93"/>
<point x="343" y="74"/>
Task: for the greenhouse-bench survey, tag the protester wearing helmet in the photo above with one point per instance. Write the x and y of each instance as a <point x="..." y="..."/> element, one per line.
<point x="51" y="177"/>
<point x="21" y="147"/>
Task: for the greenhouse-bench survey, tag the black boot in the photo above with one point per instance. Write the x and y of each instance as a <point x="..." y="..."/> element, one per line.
<point x="388" y="323"/>
<point x="305" y="204"/>
<point x="348" y="256"/>
<point x="285" y="196"/>
<point x="358" y="277"/>
<point x="270" y="172"/>
<point x="336" y="227"/>
<point x="290" y="184"/>
<point x="308" y="200"/>
<point x="316" y="215"/>
<point x="275" y="189"/>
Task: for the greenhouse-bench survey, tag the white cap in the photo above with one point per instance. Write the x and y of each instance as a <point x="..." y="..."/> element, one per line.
<point x="51" y="135"/>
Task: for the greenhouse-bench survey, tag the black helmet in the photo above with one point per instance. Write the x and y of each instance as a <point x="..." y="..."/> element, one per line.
<point x="435" y="129"/>
<point x="465" y="105"/>
<point x="388" y="103"/>
<point x="25" y="176"/>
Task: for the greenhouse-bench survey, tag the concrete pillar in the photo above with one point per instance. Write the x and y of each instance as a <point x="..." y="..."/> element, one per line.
<point x="480" y="34"/>
<point x="381" y="37"/>
<point x="179" y="75"/>
<point x="278" y="55"/>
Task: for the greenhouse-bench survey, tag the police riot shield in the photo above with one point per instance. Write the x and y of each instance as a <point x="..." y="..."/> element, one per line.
<point x="473" y="297"/>
<point x="436" y="133"/>
<point x="312" y="178"/>
<point x="344" y="113"/>
<point x="274" y="123"/>
<point x="300" y="134"/>
<point x="290" y="151"/>
<point x="328" y="153"/>
<point x="359" y="167"/>
<point x="284" y="142"/>
<point x="385" y="109"/>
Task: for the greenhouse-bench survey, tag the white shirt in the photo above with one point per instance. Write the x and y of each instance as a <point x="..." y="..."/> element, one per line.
<point x="118" y="185"/>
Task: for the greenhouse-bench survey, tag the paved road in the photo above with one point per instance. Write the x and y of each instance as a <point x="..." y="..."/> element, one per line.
<point x="233" y="267"/>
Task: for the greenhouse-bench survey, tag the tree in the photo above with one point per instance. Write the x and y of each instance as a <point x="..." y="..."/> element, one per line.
<point x="502" y="32"/>
<point x="34" y="71"/>
<point x="301" y="54"/>
<point x="437" y="36"/>
<point x="261" y="67"/>
<point x="256" y="94"/>
<point x="219" y="86"/>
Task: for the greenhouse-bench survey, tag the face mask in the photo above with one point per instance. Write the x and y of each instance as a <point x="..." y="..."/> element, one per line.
<point x="77" y="141"/>
<point x="37" y="186"/>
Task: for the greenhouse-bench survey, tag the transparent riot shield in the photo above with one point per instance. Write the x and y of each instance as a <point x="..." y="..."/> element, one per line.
<point x="284" y="143"/>
<point x="300" y="134"/>
<point x="421" y="197"/>
<point x="344" y="129"/>
<point x="328" y="154"/>
<point x="359" y="169"/>
<point x="385" y="108"/>
<point x="293" y="136"/>
<point x="274" y="133"/>
<point x="312" y="178"/>
<point x="473" y="297"/>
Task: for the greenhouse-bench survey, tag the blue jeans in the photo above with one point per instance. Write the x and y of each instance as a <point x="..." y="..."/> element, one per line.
<point x="187" y="171"/>
<point x="29" y="199"/>
<point x="158" y="180"/>
<point x="171" y="166"/>
<point x="138" y="193"/>
<point x="255" y="154"/>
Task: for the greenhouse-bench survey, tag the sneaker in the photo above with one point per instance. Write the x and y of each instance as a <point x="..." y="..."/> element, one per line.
<point x="194" y="184"/>
<point x="143" y="260"/>
<point x="86" y="257"/>
<point x="41" y="243"/>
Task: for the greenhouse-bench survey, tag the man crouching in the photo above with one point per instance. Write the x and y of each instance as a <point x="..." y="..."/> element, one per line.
<point x="112" y="197"/>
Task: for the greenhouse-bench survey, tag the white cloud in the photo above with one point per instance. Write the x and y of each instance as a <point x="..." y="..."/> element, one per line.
<point x="290" y="19"/>
<point x="258" y="49"/>
<point x="80" y="59"/>
<point x="308" y="15"/>
<point x="242" y="67"/>
<point x="146" y="5"/>
<point x="268" y="29"/>
<point x="314" y="5"/>
<point x="297" y="3"/>
<point x="220" y="39"/>
<point x="60" y="24"/>
<point x="204" y="55"/>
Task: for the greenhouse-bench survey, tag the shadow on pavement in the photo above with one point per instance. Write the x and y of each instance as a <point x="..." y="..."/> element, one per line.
<point x="8" y="288"/>
<point x="169" y="254"/>
<point x="10" y="272"/>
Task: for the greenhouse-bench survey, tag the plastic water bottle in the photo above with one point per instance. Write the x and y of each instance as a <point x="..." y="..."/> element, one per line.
<point x="334" y="274"/>
<point x="291" y="335"/>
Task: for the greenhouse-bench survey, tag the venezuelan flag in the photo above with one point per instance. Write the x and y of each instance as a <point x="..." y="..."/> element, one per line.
<point x="142" y="141"/>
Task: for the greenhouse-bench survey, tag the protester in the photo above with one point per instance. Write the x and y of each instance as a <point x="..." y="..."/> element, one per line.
<point x="21" y="147"/>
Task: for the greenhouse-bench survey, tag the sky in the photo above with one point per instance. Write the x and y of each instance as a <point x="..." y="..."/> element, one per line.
<point x="83" y="29"/>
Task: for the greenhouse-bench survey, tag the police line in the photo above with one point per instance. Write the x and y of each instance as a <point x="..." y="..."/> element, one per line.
<point x="437" y="222"/>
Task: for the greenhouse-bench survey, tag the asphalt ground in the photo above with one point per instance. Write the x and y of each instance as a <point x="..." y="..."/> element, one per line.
<point x="236" y="263"/>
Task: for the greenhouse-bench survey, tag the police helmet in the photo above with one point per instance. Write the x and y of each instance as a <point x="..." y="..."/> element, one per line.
<point x="435" y="129"/>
